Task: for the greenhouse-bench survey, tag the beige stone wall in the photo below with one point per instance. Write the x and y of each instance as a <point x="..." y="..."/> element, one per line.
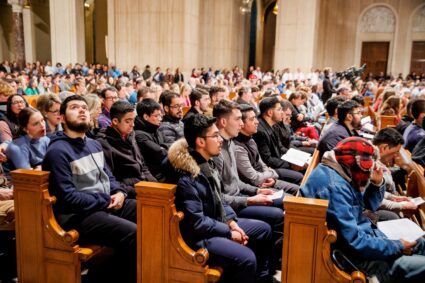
<point x="6" y="28"/>
<point x="296" y="33"/>
<point x="223" y="34"/>
<point x="177" y="33"/>
<point x="339" y="39"/>
<point x="41" y="20"/>
<point x="67" y="31"/>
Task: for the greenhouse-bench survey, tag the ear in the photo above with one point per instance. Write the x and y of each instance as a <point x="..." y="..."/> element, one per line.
<point x="221" y="123"/>
<point x="166" y="108"/>
<point x="115" y="121"/>
<point x="269" y="112"/>
<point x="382" y="147"/>
<point x="145" y="117"/>
<point x="200" y="142"/>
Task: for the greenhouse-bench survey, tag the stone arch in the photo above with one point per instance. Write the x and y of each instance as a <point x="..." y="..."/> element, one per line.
<point x="377" y="22"/>
<point x="415" y="32"/>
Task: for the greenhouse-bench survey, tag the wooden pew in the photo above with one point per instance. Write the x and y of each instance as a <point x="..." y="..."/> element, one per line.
<point x="315" y="160"/>
<point x="415" y="183"/>
<point x="165" y="257"/>
<point x="48" y="254"/>
<point x="306" y="245"/>
<point x="387" y="121"/>
<point x="185" y="109"/>
<point x="368" y="101"/>
<point x="32" y="100"/>
<point x="372" y="115"/>
<point x="45" y="252"/>
<point x="232" y="95"/>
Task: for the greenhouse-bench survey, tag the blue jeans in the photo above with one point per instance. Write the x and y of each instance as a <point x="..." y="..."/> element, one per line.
<point x="404" y="269"/>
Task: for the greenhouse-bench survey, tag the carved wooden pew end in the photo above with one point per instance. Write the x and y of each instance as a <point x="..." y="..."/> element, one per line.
<point x="46" y="253"/>
<point x="307" y="244"/>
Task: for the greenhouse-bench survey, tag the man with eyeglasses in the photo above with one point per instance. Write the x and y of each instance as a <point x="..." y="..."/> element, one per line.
<point x="148" y="137"/>
<point x="109" y="95"/>
<point x="241" y="246"/>
<point x="349" y="122"/>
<point x="172" y="125"/>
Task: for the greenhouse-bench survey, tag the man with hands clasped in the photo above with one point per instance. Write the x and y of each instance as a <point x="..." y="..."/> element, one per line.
<point x="241" y="246"/>
<point x="89" y="199"/>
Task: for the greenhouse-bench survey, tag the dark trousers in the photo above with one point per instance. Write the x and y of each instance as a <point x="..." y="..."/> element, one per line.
<point x="115" y="229"/>
<point x="244" y="264"/>
<point x="289" y="175"/>
<point x="273" y="215"/>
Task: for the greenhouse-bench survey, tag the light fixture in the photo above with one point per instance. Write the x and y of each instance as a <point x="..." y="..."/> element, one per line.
<point x="27" y="4"/>
<point x="275" y="9"/>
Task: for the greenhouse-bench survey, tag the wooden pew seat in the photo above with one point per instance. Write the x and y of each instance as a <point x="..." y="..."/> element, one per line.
<point x="307" y="244"/>
<point x="46" y="253"/>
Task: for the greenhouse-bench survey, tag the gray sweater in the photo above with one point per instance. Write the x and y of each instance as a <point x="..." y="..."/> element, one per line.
<point x="235" y="191"/>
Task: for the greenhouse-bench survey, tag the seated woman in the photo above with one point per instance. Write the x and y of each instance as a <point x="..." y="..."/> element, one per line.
<point x="95" y="108"/>
<point x="48" y="105"/>
<point x="9" y="124"/>
<point x="299" y="120"/>
<point x="27" y="151"/>
<point x="391" y="107"/>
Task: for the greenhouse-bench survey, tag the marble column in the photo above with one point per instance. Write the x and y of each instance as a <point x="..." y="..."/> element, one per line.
<point x="296" y="34"/>
<point x="18" y="32"/>
<point x="30" y="54"/>
<point x="67" y="31"/>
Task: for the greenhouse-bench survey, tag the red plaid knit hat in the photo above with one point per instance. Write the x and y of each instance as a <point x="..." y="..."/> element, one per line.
<point x="357" y="157"/>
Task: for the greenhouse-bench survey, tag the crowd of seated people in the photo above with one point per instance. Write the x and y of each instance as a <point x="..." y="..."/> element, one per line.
<point x="100" y="130"/>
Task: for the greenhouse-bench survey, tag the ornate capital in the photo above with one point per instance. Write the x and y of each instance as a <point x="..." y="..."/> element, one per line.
<point x="17" y="5"/>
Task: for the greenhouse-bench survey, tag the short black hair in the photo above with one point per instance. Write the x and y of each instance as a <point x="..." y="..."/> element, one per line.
<point x="141" y="93"/>
<point x="216" y="89"/>
<point x="224" y="107"/>
<point x="389" y="136"/>
<point x="268" y="103"/>
<point x="285" y="104"/>
<point x="359" y="99"/>
<point x="333" y="103"/>
<point x="9" y="113"/>
<point x="245" y="108"/>
<point x="64" y="104"/>
<point x="147" y="106"/>
<point x="409" y="107"/>
<point x="418" y="107"/>
<point x="196" y="126"/>
<point x="167" y="96"/>
<point x="120" y="108"/>
<point x="103" y="92"/>
<point x="196" y="95"/>
<point x="345" y="108"/>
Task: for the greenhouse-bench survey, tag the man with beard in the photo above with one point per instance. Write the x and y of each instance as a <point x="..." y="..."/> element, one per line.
<point x="351" y="178"/>
<point x="172" y="125"/>
<point x="89" y="199"/>
<point x="349" y="121"/>
<point x="200" y="100"/>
